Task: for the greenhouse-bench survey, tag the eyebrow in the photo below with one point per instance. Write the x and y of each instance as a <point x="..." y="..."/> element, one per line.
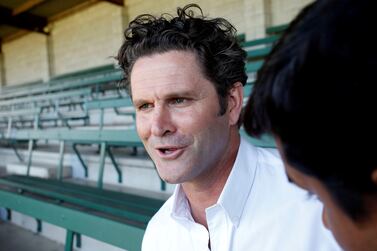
<point x="175" y="94"/>
<point x="180" y="94"/>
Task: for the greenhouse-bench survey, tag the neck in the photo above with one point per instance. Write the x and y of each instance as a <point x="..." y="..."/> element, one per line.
<point x="205" y="190"/>
<point x="368" y="226"/>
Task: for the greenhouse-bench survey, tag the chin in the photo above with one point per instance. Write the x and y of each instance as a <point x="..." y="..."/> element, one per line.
<point x="166" y="175"/>
<point x="173" y="179"/>
<point x="169" y="179"/>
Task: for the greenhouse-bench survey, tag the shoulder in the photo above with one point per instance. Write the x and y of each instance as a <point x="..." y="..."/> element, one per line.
<point x="267" y="160"/>
<point x="162" y="216"/>
<point x="270" y="158"/>
<point x="158" y="226"/>
<point x="307" y="220"/>
<point x="267" y="156"/>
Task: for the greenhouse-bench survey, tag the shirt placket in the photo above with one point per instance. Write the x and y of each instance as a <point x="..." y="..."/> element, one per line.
<point x="199" y="237"/>
<point x="220" y="228"/>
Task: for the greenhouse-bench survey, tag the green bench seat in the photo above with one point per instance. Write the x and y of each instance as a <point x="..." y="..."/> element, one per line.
<point x="258" y="54"/>
<point x="108" y="103"/>
<point x="9" y="89"/>
<point x="84" y="72"/>
<point x="104" y="138"/>
<point x="277" y="29"/>
<point x="256" y="51"/>
<point x="260" y="41"/>
<point x="22" y="109"/>
<point x="108" y="216"/>
<point x="44" y="98"/>
<point x="253" y="67"/>
<point x="93" y="77"/>
<point x="123" y="137"/>
<point x="112" y="217"/>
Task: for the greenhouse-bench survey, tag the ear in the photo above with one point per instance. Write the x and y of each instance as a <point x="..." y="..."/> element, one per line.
<point x="235" y="102"/>
<point x="374" y="176"/>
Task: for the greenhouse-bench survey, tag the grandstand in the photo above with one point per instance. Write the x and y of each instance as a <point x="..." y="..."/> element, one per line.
<point x="73" y="168"/>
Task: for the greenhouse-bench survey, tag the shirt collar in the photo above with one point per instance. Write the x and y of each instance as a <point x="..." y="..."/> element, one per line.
<point x="235" y="192"/>
<point x="180" y="208"/>
<point x="240" y="181"/>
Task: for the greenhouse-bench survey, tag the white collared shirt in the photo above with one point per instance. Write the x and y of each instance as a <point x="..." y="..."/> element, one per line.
<point x="258" y="210"/>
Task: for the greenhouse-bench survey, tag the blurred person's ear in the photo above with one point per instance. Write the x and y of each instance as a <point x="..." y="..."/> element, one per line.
<point x="374" y="176"/>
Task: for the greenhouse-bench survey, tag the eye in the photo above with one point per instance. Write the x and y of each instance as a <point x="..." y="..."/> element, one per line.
<point x="144" y="106"/>
<point x="178" y="100"/>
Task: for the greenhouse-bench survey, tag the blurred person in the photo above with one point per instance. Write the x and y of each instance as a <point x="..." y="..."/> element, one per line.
<point x="316" y="95"/>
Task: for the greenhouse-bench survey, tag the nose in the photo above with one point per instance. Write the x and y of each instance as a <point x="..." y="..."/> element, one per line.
<point x="161" y="123"/>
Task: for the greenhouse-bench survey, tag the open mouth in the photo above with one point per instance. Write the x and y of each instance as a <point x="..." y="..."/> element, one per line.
<point x="169" y="152"/>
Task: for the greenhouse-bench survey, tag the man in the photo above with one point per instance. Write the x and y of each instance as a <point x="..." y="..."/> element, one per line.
<point x="185" y="75"/>
<point x="317" y="95"/>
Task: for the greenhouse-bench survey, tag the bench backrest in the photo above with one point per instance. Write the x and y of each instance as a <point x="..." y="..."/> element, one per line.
<point x="118" y="137"/>
<point x="46" y="97"/>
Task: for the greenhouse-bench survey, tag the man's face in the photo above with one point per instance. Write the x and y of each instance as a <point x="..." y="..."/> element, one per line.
<point x="351" y="235"/>
<point x="177" y="115"/>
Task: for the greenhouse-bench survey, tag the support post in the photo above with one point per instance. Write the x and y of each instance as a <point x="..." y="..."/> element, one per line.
<point x="61" y="161"/>
<point x="9" y="130"/>
<point x="30" y="152"/>
<point x="115" y="164"/>
<point x="83" y="164"/>
<point x="78" y="240"/>
<point x="163" y="185"/>
<point x="39" y="225"/>
<point x="16" y="152"/>
<point x="9" y="214"/>
<point x="102" y="165"/>
<point x="69" y="241"/>
<point x="102" y="115"/>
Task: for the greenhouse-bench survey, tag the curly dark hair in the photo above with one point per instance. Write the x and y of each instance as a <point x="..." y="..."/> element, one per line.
<point x="212" y="40"/>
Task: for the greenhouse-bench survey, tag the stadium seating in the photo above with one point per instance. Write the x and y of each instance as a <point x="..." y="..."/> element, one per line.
<point x="44" y="112"/>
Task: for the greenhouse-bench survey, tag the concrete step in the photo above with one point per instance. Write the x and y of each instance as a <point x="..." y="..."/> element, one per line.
<point x="15" y="238"/>
<point x="50" y="232"/>
<point x="42" y="170"/>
